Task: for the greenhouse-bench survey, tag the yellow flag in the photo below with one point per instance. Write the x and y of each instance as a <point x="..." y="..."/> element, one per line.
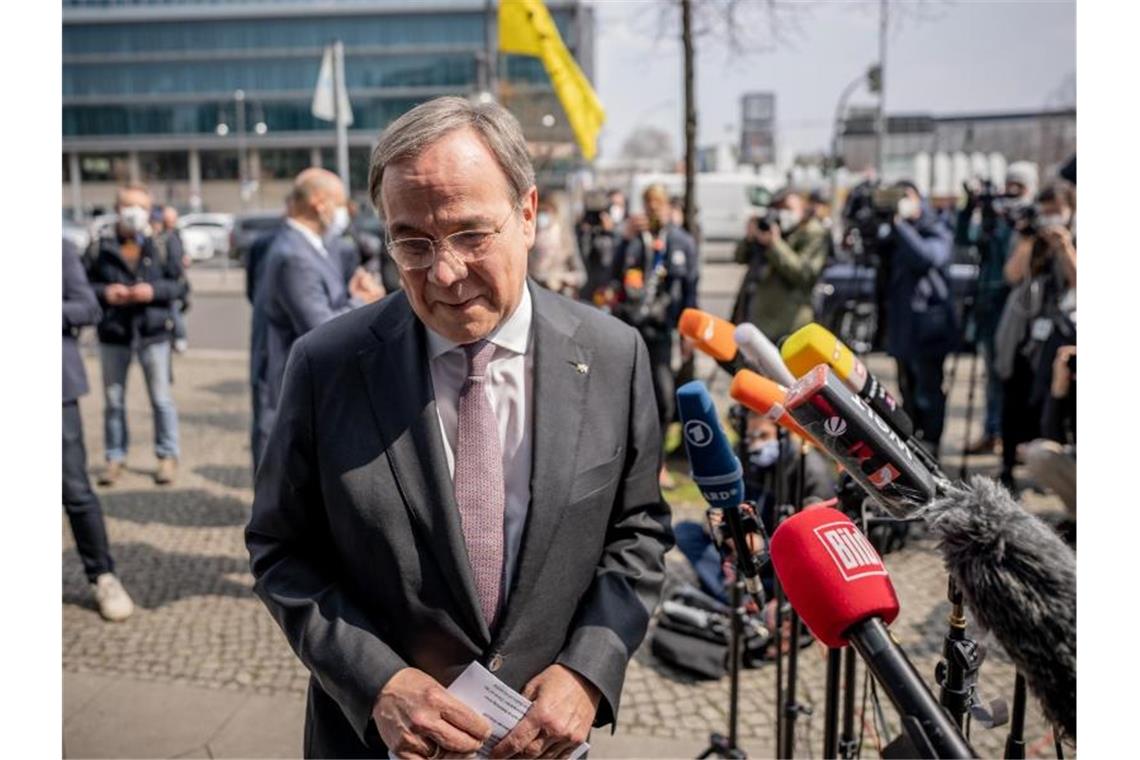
<point x="526" y="28"/>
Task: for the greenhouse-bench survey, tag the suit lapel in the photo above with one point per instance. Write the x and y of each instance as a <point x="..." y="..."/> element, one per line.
<point x="399" y="386"/>
<point x="560" y="384"/>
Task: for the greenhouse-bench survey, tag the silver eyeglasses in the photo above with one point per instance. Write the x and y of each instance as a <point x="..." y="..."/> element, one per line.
<point x="467" y="245"/>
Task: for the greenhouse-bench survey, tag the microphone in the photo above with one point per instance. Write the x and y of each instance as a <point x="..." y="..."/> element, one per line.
<point x="1020" y="580"/>
<point x="814" y="344"/>
<point x="837" y="583"/>
<point x="868" y="448"/>
<point x="760" y="351"/>
<point x="713" y="336"/>
<point x="766" y="398"/>
<point x="716" y="470"/>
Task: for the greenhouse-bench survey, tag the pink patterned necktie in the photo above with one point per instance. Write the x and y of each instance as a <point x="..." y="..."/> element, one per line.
<point x="479" y="490"/>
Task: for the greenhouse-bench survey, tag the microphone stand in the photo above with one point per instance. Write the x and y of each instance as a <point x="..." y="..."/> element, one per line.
<point x="778" y="634"/>
<point x="1015" y="742"/>
<point x="719" y="744"/>
<point x="792" y="708"/>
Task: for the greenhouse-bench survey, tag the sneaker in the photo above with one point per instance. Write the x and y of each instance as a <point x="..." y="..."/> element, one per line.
<point x="987" y="444"/>
<point x="114" y="602"/>
<point x="112" y="473"/>
<point x="167" y="466"/>
<point x="180" y="345"/>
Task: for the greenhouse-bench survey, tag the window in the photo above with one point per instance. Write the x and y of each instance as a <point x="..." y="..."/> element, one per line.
<point x="219" y="164"/>
<point x="171" y="165"/>
<point x="283" y="164"/>
<point x="104" y="167"/>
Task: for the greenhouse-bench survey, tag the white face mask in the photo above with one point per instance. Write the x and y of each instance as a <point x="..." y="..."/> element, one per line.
<point x="1054" y="220"/>
<point x="543" y="220"/>
<point x="788" y="219"/>
<point x="909" y="207"/>
<point x="617" y="213"/>
<point x="339" y="222"/>
<point x="133" y="218"/>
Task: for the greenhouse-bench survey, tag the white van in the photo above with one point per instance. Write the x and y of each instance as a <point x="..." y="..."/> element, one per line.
<point x="725" y="201"/>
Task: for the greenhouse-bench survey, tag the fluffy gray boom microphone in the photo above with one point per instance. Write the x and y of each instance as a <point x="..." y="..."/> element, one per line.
<point x="1020" y="580"/>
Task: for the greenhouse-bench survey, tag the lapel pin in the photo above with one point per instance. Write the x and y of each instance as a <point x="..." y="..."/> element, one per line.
<point x="581" y="367"/>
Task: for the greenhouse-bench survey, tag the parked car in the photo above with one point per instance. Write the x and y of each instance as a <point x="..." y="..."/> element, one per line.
<point x="248" y="228"/>
<point x="206" y="235"/>
<point x="76" y="233"/>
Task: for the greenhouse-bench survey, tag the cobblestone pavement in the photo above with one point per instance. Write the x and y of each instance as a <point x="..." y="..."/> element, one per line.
<point x="180" y="553"/>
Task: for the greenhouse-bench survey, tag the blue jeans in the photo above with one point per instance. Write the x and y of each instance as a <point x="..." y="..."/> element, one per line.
<point x="155" y="361"/>
<point x="698" y="547"/>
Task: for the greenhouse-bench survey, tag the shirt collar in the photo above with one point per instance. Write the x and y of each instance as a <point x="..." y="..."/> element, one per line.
<point x="512" y="333"/>
<point x="308" y="234"/>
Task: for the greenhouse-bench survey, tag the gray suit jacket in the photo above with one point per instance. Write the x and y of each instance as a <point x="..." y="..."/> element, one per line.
<point x="80" y="308"/>
<point x="297" y="289"/>
<point x="355" y="540"/>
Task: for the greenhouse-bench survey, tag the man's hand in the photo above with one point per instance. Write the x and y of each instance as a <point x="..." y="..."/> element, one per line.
<point x="417" y="718"/>
<point x="364" y="286"/>
<point x="142" y="292"/>
<point x="768" y="236"/>
<point x="564" y="707"/>
<point x="116" y="294"/>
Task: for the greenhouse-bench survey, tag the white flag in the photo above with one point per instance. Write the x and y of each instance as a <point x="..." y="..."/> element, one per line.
<point x="325" y="97"/>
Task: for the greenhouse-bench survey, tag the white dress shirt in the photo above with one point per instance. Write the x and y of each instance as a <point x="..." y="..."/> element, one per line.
<point x="313" y="238"/>
<point x="510" y="389"/>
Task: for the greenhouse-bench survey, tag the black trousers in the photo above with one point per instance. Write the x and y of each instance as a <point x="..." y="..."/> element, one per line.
<point x="920" y="383"/>
<point x="664" y="385"/>
<point x="80" y="502"/>
<point x="1020" y="414"/>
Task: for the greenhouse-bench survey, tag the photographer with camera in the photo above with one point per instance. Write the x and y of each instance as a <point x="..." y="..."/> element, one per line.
<point x="785" y="252"/>
<point x="657" y="269"/>
<point x="921" y="323"/>
<point x="1039" y="316"/>
<point x="599" y="235"/>
<point x="987" y="223"/>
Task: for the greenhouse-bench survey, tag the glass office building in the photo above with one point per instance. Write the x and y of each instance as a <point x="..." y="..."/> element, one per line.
<point x="170" y="92"/>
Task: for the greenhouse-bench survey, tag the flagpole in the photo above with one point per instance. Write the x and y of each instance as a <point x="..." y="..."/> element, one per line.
<point x="341" y="112"/>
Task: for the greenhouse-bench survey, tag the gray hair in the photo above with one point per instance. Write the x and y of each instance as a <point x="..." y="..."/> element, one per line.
<point x="415" y="131"/>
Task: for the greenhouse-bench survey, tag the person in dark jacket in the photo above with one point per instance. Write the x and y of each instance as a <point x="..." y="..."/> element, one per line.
<point x="138" y="285"/>
<point x="657" y="269"/>
<point x="922" y="327"/>
<point x="80" y="308"/>
<point x="301" y="285"/>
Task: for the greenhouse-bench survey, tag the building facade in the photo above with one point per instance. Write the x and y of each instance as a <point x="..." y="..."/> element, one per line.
<point x="1047" y="138"/>
<point x="194" y="96"/>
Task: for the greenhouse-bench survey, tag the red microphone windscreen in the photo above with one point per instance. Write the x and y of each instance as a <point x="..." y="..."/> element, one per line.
<point x="712" y="335"/>
<point x="831" y="574"/>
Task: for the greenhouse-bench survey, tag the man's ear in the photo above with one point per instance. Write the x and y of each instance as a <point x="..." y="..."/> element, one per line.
<point x="529" y="215"/>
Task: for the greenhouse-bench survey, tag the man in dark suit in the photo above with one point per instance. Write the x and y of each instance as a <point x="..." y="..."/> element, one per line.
<point x="80" y="308"/>
<point x="301" y="285"/>
<point x="464" y="472"/>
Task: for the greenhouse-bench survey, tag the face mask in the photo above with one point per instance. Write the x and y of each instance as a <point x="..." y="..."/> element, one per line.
<point x="133" y="219"/>
<point x="764" y="455"/>
<point x="909" y="207"/>
<point x="1054" y="220"/>
<point x="788" y="219"/>
<point x="339" y="222"/>
<point x="543" y="220"/>
<point x="617" y="213"/>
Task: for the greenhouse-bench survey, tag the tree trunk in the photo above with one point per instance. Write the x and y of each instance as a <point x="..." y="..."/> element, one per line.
<point x="690" y="117"/>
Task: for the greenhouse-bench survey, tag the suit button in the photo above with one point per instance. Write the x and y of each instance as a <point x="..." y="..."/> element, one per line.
<point x="496" y="663"/>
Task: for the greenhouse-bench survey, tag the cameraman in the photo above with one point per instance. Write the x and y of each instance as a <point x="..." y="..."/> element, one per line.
<point x="921" y="325"/>
<point x="657" y="269"/>
<point x="785" y="256"/>
<point x="987" y="223"/>
<point x="1038" y="316"/>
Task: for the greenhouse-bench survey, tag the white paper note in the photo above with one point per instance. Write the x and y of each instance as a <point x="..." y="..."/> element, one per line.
<point x="504" y="707"/>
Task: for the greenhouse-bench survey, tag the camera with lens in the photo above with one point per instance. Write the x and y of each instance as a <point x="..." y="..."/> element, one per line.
<point x="594" y="203"/>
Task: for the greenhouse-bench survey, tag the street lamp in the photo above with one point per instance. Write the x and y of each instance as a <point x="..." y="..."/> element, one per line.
<point x="872" y="76"/>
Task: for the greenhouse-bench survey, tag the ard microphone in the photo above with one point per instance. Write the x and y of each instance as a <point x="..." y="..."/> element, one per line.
<point x="868" y="448"/>
<point x="837" y="583"/>
<point x="713" y="336"/>
<point x="762" y="353"/>
<point x="766" y="398"/>
<point x="1020" y="580"/>
<point x="716" y="470"/>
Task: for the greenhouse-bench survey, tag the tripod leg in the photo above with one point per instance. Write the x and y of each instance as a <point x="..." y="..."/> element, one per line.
<point x="1015" y="743"/>
<point x="848" y="742"/>
<point x="734" y="666"/>
<point x="962" y="472"/>
<point x="831" y="705"/>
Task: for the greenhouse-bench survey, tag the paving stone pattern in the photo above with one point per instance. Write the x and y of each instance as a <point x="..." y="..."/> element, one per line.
<point x="180" y="553"/>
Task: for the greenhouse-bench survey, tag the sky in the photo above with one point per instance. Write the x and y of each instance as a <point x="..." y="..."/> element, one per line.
<point x="943" y="56"/>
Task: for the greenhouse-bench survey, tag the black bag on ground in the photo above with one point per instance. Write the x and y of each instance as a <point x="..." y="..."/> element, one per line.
<point x="692" y="634"/>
